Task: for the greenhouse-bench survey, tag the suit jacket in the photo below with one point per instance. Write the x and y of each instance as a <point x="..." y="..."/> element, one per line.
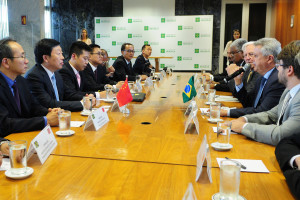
<point x="262" y="126"/>
<point x="31" y="116"/>
<point x="42" y="89"/>
<point x="96" y="84"/>
<point x="269" y="97"/>
<point x="251" y="83"/>
<point x="70" y="80"/>
<point x="141" y="66"/>
<point x="285" y="150"/>
<point x="121" y="70"/>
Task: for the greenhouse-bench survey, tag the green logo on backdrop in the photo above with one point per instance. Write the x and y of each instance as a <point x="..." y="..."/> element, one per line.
<point x="129" y="20"/>
<point x="197" y="35"/>
<point x="162" y="65"/>
<point x="98" y="21"/>
<point x="98" y="36"/>
<point x="197" y="19"/>
<point x="114" y="58"/>
<point x="179" y="43"/>
<point x="162" y="50"/>
<point x="130" y="35"/>
<point x="196" y="66"/>
<point x="145" y="42"/>
<point x="114" y="43"/>
<point x="113" y="28"/>
<point x="179" y="58"/>
<point x="146" y="28"/>
<point x="179" y="28"/>
<point x="163" y="20"/>
<point x="162" y="35"/>
<point x="196" y="50"/>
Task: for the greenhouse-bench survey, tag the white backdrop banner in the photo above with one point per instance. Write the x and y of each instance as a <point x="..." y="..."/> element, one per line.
<point x="188" y="39"/>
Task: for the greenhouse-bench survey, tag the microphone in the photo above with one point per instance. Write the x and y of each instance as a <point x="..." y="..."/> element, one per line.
<point x="235" y="74"/>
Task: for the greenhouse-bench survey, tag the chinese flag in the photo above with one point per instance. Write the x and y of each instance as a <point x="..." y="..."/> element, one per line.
<point x="124" y="96"/>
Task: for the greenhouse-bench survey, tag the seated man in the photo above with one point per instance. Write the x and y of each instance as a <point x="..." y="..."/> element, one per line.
<point x="95" y="73"/>
<point x="288" y="156"/>
<point x="236" y="55"/>
<point x="46" y="83"/>
<point x="142" y="64"/>
<point x="72" y="71"/>
<point x="267" y="89"/>
<point x="282" y="120"/>
<point x="19" y="110"/>
<point x="123" y="66"/>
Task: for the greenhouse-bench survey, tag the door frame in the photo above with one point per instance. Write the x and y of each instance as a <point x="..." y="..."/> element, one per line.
<point x="245" y="22"/>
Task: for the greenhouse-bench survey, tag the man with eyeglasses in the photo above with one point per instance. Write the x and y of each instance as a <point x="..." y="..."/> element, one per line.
<point x="19" y="110"/>
<point x="282" y="120"/>
<point x="46" y="83"/>
<point x="95" y="73"/>
<point x="123" y="65"/>
<point x="72" y="71"/>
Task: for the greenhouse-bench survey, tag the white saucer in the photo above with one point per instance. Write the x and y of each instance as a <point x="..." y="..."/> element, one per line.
<point x="109" y="100"/>
<point x="217" y="197"/>
<point x="214" y="121"/>
<point x="65" y="133"/>
<point x="217" y="147"/>
<point x="85" y="113"/>
<point x="29" y="171"/>
<point x="208" y="103"/>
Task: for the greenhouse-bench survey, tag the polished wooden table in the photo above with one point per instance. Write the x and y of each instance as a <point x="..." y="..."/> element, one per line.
<point x="128" y="159"/>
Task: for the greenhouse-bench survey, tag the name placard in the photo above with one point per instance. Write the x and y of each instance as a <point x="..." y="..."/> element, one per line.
<point x="192" y="117"/>
<point x="96" y="119"/>
<point x="203" y="154"/>
<point x="192" y="106"/>
<point x="190" y="193"/>
<point x="43" y="144"/>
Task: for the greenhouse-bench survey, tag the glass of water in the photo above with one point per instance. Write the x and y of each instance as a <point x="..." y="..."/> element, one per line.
<point x="64" y="117"/>
<point x="211" y="96"/>
<point x="223" y="133"/>
<point x="109" y="92"/>
<point x="215" y="110"/>
<point x="18" y="156"/>
<point x="229" y="180"/>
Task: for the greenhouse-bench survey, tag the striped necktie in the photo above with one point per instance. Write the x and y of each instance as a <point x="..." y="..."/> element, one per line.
<point x="284" y="106"/>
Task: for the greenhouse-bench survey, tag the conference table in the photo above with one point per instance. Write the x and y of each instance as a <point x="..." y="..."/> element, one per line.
<point x="143" y="155"/>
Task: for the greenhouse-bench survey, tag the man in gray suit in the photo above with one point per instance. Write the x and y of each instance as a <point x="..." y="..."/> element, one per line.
<point x="282" y="120"/>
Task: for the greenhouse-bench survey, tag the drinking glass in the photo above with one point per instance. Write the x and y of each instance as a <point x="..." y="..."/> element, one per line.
<point x="18" y="156"/>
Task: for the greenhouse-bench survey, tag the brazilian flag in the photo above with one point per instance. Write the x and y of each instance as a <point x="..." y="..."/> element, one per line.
<point x="189" y="91"/>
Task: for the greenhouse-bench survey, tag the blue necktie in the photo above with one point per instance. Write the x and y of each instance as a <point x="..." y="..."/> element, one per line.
<point x="262" y="83"/>
<point x="55" y="87"/>
<point x="17" y="96"/>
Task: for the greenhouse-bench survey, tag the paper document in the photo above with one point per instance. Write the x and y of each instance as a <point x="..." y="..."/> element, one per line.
<point x="77" y="123"/>
<point x="226" y="98"/>
<point x="251" y="165"/>
<point x="5" y="164"/>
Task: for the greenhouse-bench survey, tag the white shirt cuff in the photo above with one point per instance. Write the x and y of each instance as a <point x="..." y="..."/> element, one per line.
<point x="293" y="159"/>
<point x="245" y="119"/>
<point x="245" y="125"/>
<point x="97" y="95"/>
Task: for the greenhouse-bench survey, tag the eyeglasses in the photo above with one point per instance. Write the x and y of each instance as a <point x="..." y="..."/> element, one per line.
<point x="232" y="53"/>
<point x="22" y="56"/>
<point x="130" y="51"/>
<point x="283" y="66"/>
<point x="98" y="53"/>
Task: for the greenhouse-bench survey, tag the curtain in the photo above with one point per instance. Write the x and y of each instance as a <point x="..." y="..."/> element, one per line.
<point x="4" y="31"/>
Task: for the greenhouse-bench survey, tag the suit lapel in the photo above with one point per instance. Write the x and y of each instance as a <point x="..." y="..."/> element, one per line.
<point x="73" y="75"/>
<point x="47" y="80"/>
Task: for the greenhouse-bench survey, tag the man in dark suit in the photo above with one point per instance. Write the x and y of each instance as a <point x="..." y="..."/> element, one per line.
<point x="142" y="64"/>
<point x="72" y="71"/>
<point x="46" y="83"/>
<point x="282" y="120"/>
<point x="19" y="110"/>
<point x="95" y="73"/>
<point x="267" y="90"/>
<point x="123" y="65"/>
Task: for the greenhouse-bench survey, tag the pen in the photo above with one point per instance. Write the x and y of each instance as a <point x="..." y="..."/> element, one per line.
<point x="242" y="166"/>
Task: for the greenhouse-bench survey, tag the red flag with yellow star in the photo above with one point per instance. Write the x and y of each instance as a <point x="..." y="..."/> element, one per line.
<point x="124" y="96"/>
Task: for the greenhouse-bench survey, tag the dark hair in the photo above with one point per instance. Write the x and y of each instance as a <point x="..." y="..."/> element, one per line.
<point x="235" y="30"/>
<point x="44" y="47"/>
<point x="78" y="47"/>
<point x="288" y="54"/>
<point x="87" y="34"/>
<point x="144" y="46"/>
<point x="124" y="46"/>
<point x="5" y="49"/>
<point x="93" y="46"/>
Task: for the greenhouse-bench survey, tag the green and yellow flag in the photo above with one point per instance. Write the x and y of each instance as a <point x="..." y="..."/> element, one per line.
<point x="189" y="91"/>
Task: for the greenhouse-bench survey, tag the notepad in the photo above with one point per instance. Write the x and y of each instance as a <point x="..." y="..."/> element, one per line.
<point x="251" y="165"/>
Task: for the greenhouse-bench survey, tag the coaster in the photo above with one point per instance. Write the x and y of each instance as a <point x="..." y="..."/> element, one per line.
<point x="85" y="113"/>
<point x="29" y="171"/>
<point x="65" y="133"/>
<point x="217" y="197"/>
<point x="214" y="121"/>
<point x="217" y="147"/>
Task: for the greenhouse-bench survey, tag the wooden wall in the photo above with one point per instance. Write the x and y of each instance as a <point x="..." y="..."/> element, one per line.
<point x="284" y="9"/>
